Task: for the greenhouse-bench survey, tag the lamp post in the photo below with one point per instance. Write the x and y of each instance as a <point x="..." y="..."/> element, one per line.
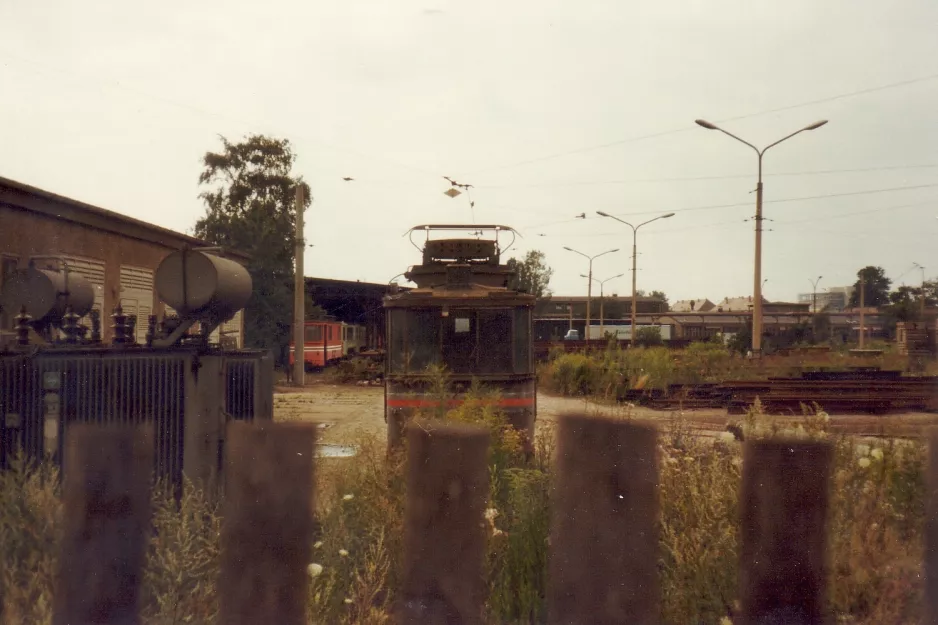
<point x="602" y="302"/>
<point x="589" y="286"/>
<point x="757" y="279"/>
<point x="814" y="294"/>
<point x="922" y="298"/>
<point x="634" y="259"/>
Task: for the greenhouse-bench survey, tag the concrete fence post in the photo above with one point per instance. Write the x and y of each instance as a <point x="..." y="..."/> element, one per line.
<point x="444" y="539"/>
<point x="106" y="520"/>
<point x="267" y="523"/>
<point x="604" y="542"/>
<point x="783" y="536"/>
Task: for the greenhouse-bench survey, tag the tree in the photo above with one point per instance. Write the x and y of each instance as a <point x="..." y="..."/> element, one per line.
<point x="249" y="201"/>
<point x="876" y="289"/>
<point x="658" y="295"/>
<point x="532" y="275"/>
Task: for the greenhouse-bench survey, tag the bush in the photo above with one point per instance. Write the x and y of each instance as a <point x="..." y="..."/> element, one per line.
<point x="354" y="370"/>
<point x="648" y="337"/>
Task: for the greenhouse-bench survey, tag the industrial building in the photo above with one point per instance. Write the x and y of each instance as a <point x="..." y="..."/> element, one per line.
<point x="117" y="254"/>
<point x="833" y="299"/>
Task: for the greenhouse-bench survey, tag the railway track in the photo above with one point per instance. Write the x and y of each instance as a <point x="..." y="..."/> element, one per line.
<point x="865" y="392"/>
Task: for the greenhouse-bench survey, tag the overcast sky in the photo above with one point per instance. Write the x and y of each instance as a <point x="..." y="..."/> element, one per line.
<point x="549" y="108"/>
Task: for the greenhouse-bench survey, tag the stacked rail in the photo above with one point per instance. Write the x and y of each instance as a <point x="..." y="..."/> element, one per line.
<point x="847" y="392"/>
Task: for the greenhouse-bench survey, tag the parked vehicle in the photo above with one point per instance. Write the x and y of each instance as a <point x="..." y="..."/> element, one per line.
<point x="327" y="342"/>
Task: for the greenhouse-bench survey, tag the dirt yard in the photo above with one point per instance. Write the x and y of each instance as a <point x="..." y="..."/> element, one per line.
<point x="346" y="411"/>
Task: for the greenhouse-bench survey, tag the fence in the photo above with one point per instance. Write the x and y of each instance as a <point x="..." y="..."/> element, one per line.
<point x="603" y="565"/>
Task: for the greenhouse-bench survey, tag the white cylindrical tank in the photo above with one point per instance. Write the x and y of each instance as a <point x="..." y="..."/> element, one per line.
<point x="200" y="284"/>
<point x="45" y="293"/>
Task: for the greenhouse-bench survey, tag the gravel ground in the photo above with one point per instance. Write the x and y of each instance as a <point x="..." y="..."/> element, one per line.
<point x="347" y="410"/>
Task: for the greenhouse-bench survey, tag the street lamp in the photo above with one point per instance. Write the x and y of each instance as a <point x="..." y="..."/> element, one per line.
<point x="922" y="299"/>
<point x="814" y="293"/>
<point x="757" y="279"/>
<point x="602" y="301"/>
<point x="634" y="258"/>
<point x="589" y="286"/>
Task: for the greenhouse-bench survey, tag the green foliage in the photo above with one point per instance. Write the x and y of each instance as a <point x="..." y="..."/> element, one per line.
<point x="249" y="201"/>
<point x="183" y="557"/>
<point x="532" y="275"/>
<point x="648" y="336"/>
<point x="876" y="289"/>
<point x="741" y="342"/>
<point x="355" y="370"/>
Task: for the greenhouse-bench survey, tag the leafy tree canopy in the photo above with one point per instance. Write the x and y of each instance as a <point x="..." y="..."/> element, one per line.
<point x="532" y="275"/>
<point x="249" y="193"/>
<point x="876" y="289"/>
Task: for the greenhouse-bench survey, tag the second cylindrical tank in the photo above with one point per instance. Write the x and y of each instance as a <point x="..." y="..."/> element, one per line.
<point x="196" y="283"/>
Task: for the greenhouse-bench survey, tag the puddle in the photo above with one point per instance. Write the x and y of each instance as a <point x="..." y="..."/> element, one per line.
<point x="335" y="451"/>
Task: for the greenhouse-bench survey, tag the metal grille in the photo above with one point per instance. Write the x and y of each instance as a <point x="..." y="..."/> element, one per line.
<point x="112" y="388"/>
<point x="239" y="389"/>
<point x="123" y="387"/>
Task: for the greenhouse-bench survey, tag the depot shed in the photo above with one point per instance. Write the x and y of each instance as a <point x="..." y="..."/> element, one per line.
<point x="116" y="253"/>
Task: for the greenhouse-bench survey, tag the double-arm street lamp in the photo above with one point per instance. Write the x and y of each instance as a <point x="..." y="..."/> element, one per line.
<point x="634" y="257"/>
<point x="757" y="279"/>
<point x="814" y="294"/>
<point x="589" y="285"/>
<point x="602" y="301"/>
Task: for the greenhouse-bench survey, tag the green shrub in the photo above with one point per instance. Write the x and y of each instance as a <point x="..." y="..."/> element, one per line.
<point x="648" y="337"/>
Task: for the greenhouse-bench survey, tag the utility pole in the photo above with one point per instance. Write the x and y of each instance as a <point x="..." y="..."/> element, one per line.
<point x="299" y="296"/>
<point x="862" y="306"/>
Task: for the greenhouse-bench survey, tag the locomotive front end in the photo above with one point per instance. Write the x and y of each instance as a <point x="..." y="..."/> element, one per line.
<point x="463" y="318"/>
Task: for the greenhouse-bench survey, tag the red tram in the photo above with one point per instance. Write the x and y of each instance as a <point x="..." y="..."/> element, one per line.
<point x="327" y="342"/>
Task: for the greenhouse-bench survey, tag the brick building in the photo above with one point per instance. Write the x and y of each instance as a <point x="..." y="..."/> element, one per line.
<point x="117" y="254"/>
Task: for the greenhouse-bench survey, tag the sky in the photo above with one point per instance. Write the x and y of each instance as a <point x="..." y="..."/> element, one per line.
<point x="549" y="109"/>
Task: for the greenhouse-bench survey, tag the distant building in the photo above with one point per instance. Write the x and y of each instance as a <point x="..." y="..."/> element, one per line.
<point x="693" y="305"/>
<point x="744" y="305"/>
<point x="833" y="299"/>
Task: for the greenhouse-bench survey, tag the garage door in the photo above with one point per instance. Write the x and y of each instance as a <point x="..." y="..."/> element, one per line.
<point x="137" y="296"/>
<point x="93" y="271"/>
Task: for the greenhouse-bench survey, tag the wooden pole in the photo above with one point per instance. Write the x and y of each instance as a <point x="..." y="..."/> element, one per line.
<point x="783" y="540"/>
<point x="106" y="516"/>
<point x="444" y="525"/>
<point x="267" y="524"/>
<point x="299" y="295"/>
<point x="604" y="545"/>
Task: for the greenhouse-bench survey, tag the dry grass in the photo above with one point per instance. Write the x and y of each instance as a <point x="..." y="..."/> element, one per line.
<point x="875" y="533"/>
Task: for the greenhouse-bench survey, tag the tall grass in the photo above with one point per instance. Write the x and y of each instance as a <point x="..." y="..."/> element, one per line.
<point x="610" y="372"/>
<point x="875" y="527"/>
